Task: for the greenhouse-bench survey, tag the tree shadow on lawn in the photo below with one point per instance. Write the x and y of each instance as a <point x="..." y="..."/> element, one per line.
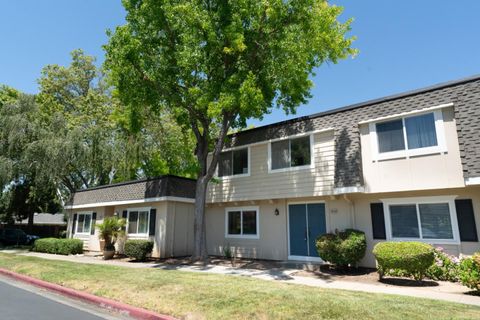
<point x="405" y="282"/>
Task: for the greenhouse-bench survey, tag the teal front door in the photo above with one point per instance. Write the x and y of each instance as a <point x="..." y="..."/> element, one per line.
<point x="306" y="222"/>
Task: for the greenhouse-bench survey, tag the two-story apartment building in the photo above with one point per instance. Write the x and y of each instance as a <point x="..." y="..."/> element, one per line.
<point x="403" y="167"/>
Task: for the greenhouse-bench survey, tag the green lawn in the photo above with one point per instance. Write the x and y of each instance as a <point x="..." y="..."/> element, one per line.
<point x="206" y="296"/>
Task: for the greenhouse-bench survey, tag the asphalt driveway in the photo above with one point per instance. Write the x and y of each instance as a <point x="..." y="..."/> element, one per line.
<point x="21" y="302"/>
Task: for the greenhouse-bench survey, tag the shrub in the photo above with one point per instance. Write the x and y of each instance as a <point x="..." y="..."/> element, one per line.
<point x="445" y="267"/>
<point x="58" y="246"/>
<point x="138" y="249"/>
<point x="343" y="249"/>
<point x="407" y="258"/>
<point x="469" y="272"/>
<point x="110" y="230"/>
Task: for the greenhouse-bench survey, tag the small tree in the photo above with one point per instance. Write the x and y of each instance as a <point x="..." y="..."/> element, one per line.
<point x="110" y="230"/>
<point x="215" y="64"/>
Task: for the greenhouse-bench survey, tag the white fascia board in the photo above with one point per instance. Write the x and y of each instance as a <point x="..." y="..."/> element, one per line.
<point x="344" y="190"/>
<point x="403" y="114"/>
<point x="472" y="181"/>
<point x="123" y="202"/>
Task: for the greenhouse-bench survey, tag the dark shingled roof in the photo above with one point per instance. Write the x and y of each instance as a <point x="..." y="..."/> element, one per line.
<point x="164" y="186"/>
<point x="464" y="93"/>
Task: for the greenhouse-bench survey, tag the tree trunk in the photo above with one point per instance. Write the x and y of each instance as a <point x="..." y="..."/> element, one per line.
<point x="200" y="245"/>
<point x="30" y="222"/>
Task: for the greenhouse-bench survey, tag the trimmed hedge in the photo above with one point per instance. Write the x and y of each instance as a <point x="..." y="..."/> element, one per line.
<point x="343" y="249"/>
<point x="469" y="272"/>
<point x="407" y="258"/>
<point x="58" y="246"/>
<point x="138" y="249"/>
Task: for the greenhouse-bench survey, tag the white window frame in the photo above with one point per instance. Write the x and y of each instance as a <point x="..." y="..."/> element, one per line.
<point x="241" y="235"/>
<point x="312" y="153"/>
<point x="148" y="221"/>
<point x="86" y="213"/>
<point x="406" y="153"/>
<point x="417" y="201"/>
<point x="233" y="176"/>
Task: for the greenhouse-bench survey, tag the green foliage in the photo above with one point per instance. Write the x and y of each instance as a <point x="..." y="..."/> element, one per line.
<point x="138" y="249"/>
<point x="110" y="230"/>
<point x="343" y="249"/>
<point x="409" y="258"/>
<point x="24" y="189"/>
<point x="445" y="267"/>
<point x="8" y="95"/>
<point x="58" y="246"/>
<point x="469" y="272"/>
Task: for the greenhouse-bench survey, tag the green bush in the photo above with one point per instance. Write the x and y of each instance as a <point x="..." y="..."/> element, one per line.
<point x="469" y="272"/>
<point x="407" y="258"/>
<point x="445" y="267"/>
<point x="138" y="249"/>
<point x="58" y="246"/>
<point x="343" y="249"/>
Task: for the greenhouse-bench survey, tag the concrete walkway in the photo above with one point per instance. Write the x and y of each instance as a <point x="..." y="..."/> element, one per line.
<point x="446" y="291"/>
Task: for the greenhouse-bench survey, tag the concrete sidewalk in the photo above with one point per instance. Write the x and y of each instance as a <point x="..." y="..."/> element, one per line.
<point x="445" y="291"/>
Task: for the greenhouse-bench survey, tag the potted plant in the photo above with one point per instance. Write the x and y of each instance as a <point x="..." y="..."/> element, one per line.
<point x="110" y="230"/>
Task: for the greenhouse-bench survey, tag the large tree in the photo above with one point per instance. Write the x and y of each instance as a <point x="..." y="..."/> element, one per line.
<point x="22" y="190"/>
<point x="215" y="64"/>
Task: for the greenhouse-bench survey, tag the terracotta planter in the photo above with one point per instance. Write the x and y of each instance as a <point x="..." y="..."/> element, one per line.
<point x="108" y="254"/>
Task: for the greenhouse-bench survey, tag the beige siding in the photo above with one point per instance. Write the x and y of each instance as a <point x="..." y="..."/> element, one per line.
<point x="273" y="230"/>
<point x="174" y="228"/>
<point x="180" y="221"/>
<point x="261" y="184"/>
<point x="363" y="219"/>
<point x="436" y="171"/>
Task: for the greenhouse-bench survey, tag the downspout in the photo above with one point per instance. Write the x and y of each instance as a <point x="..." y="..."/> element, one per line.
<point x="352" y="210"/>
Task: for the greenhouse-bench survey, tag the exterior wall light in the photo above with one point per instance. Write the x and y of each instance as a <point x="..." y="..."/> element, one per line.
<point x="277" y="212"/>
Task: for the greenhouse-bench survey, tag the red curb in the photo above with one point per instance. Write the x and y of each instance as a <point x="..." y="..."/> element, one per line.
<point x="132" y="311"/>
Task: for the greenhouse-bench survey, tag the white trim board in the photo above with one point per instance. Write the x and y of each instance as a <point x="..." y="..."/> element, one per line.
<point x="472" y="181"/>
<point x="122" y="202"/>
<point x="281" y="138"/>
<point x="353" y="189"/>
<point x="403" y="114"/>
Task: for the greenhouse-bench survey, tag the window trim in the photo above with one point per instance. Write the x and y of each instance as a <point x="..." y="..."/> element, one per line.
<point x="241" y="209"/>
<point x="90" y="213"/>
<point x="422" y="200"/>
<point x="146" y="234"/>
<point x="441" y="146"/>
<point x="233" y="176"/>
<point x="312" y="155"/>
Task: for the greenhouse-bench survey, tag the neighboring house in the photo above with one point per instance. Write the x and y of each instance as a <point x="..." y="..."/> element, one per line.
<point x="159" y="209"/>
<point x="403" y="167"/>
<point x="44" y="224"/>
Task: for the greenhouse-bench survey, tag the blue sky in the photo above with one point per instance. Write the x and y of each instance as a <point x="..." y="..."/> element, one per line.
<point x="403" y="45"/>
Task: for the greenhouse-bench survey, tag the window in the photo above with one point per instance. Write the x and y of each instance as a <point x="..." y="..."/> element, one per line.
<point x="84" y="222"/>
<point x="242" y="223"/>
<point x="233" y="163"/>
<point x="408" y="136"/>
<point x="295" y="152"/>
<point x="138" y="221"/>
<point x="422" y="219"/>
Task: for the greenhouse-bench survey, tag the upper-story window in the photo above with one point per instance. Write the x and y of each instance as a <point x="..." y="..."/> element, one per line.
<point x="233" y="163"/>
<point x="408" y="136"/>
<point x="290" y="153"/>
